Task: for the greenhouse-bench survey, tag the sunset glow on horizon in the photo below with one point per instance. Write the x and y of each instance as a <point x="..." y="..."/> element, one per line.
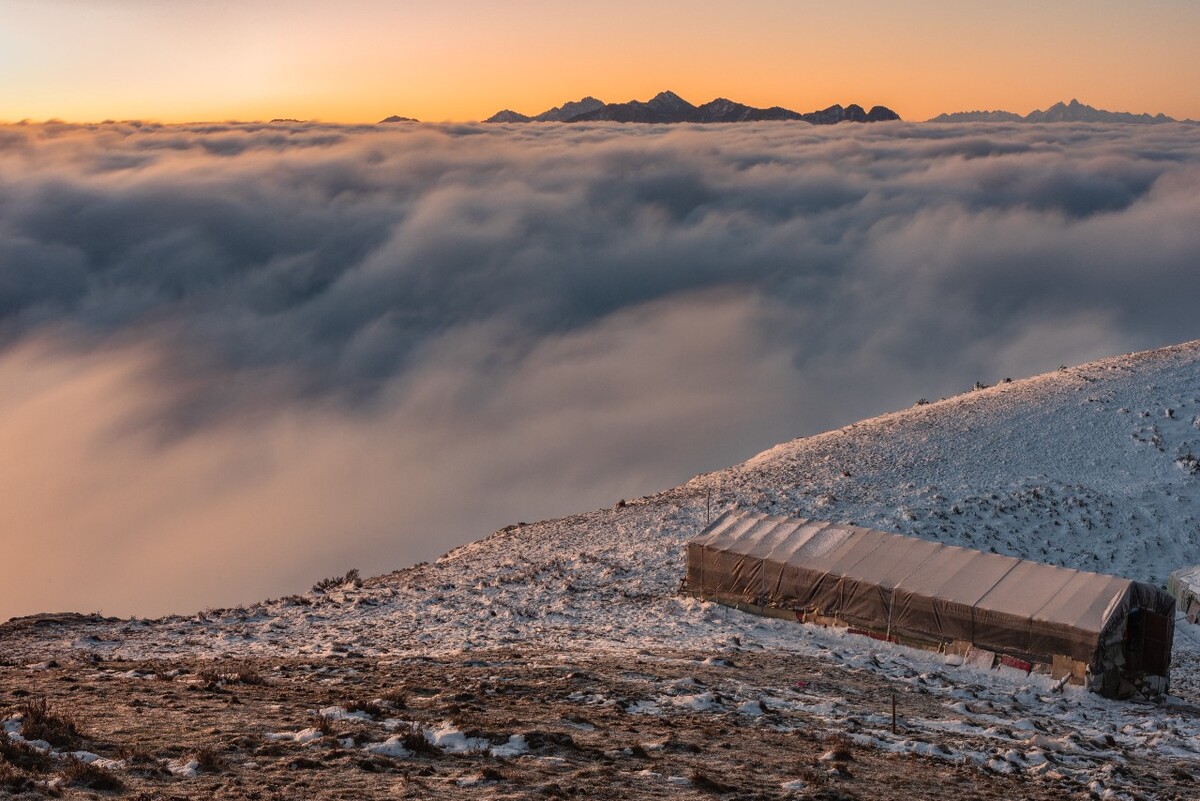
<point x="191" y="61"/>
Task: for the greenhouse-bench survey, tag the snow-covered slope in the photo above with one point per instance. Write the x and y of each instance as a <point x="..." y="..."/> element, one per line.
<point x="1092" y="467"/>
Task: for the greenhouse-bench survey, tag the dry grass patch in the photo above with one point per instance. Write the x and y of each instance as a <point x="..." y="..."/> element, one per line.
<point x="238" y="673"/>
<point x="41" y="721"/>
<point x="20" y="755"/>
<point x="13" y="780"/>
<point x="208" y="760"/>
<point x="85" y="774"/>
<point x="414" y="740"/>
<point x="702" y="781"/>
<point x="368" y="707"/>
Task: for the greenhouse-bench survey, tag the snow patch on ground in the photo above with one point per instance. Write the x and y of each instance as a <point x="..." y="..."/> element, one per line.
<point x="302" y="736"/>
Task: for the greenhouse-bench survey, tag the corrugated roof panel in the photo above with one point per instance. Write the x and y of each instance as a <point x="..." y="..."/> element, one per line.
<point x="1025" y="589"/>
<point x="895" y="561"/>
<point x="1084" y="602"/>
<point x="824" y="547"/>
<point x="727" y="530"/>
<point x="801" y="534"/>
<point x="763" y="538"/>
<point x="860" y="546"/>
<point x="959" y="574"/>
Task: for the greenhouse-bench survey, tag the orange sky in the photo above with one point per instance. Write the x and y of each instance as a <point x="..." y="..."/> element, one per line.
<point x="360" y="60"/>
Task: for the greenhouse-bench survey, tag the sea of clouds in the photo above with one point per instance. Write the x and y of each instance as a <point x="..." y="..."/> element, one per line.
<point x="236" y="358"/>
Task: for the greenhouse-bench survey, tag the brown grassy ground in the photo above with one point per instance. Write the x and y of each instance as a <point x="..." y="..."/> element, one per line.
<point x="582" y="744"/>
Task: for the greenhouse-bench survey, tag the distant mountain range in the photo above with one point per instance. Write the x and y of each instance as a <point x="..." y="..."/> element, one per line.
<point x="1059" y="112"/>
<point x="668" y="107"/>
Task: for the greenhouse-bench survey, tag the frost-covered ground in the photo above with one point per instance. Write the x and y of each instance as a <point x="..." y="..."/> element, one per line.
<point x="1093" y="467"/>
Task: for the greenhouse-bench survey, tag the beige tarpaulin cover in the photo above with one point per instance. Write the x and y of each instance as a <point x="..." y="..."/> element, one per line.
<point x="1184" y="584"/>
<point x="912" y="587"/>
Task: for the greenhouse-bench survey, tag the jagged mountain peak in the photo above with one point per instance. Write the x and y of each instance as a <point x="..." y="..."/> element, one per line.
<point x="669" y="97"/>
<point x="508" y="115"/>
<point x="572" y="108"/>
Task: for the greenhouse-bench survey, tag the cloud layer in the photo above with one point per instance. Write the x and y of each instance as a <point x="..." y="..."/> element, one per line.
<point x="234" y="358"/>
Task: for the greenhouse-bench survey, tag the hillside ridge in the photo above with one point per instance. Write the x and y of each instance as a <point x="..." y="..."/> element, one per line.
<point x="1091" y="467"/>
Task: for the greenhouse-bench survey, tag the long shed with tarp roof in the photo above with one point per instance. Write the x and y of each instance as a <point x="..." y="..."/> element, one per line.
<point x="1112" y="634"/>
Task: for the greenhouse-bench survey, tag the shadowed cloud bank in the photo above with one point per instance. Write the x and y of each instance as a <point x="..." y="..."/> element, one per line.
<point x="237" y="358"/>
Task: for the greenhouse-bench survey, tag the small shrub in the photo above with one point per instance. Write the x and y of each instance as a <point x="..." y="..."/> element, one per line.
<point x="810" y="775"/>
<point x="325" y="725"/>
<point x="841" y="755"/>
<point x="839" y="740"/>
<point x="22" y="755"/>
<point x="326" y="584"/>
<point x="40" y="721"/>
<point x="231" y="674"/>
<point x="12" y="780"/>
<point x="369" y="707"/>
<point x="397" y="699"/>
<point x="702" y="781"/>
<point x="140" y="761"/>
<point x="491" y="774"/>
<point x="209" y="761"/>
<point x="414" y="740"/>
<point x="210" y="677"/>
<point x="246" y="674"/>
<point x="352" y="578"/>
<point x="90" y="775"/>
